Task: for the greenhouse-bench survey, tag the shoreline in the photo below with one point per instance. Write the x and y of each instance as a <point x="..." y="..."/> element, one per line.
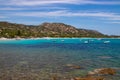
<point x="3" y="38"/>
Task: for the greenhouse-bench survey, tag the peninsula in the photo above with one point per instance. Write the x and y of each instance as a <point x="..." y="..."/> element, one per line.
<point x="13" y="30"/>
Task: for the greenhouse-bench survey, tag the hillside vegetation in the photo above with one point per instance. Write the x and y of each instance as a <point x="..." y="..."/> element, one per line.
<point x="13" y="30"/>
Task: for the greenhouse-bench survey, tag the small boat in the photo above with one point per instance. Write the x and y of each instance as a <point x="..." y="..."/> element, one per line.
<point x="106" y="41"/>
<point x="85" y="41"/>
<point x="99" y="39"/>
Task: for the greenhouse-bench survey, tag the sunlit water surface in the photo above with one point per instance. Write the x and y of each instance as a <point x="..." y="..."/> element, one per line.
<point x="43" y="58"/>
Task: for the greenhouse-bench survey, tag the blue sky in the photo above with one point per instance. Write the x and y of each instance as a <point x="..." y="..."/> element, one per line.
<point x="101" y="15"/>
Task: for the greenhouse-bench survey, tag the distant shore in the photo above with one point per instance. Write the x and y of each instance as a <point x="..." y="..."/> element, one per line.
<point x="3" y="38"/>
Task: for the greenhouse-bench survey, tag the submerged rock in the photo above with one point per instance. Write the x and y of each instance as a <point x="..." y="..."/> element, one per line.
<point x="105" y="57"/>
<point x="108" y="71"/>
<point x="88" y="78"/>
<point x="73" y="66"/>
<point x="54" y="78"/>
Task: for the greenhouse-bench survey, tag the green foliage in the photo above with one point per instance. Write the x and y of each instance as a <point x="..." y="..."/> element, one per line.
<point x="10" y="30"/>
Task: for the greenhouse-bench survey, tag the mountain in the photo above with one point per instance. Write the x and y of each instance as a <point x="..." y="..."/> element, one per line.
<point x="12" y="30"/>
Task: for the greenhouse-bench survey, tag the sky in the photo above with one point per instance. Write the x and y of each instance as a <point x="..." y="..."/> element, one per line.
<point x="100" y="15"/>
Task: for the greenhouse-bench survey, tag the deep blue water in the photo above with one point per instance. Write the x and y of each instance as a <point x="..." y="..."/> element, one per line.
<point x="50" y="56"/>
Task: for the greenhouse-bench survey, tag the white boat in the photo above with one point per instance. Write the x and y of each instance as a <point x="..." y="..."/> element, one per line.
<point x="106" y="41"/>
<point x="99" y="39"/>
<point x="85" y="41"/>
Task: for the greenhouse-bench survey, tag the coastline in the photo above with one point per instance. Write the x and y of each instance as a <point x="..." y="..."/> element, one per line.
<point x="3" y="38"/>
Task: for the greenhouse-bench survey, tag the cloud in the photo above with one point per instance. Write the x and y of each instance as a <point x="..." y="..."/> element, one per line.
<point x="10" y="8"/>
<point x="115" y="18"/>
<point x="2" y="17"/>
<point x="39" y="2"/>
<point x="103" y="2"/>
<point x="31" y="8"/>
<point x="65" y="13"/>
<point x="115" y="22"/>
<point x="51" y="2"/>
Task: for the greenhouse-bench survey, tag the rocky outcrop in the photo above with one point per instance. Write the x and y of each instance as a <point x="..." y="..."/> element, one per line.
<point x="97" y="74"/>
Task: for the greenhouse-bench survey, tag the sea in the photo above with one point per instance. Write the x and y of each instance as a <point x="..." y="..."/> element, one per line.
<point x="54" y="58"/>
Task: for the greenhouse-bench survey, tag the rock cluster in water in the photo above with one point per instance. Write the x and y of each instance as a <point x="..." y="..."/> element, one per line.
<point x="89" y="78"/>
<point x="109" y="71"/>
<point x="99" y="72"/>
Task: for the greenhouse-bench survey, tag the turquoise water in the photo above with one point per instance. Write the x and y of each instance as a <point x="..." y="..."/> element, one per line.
<point x="40" y="59"/>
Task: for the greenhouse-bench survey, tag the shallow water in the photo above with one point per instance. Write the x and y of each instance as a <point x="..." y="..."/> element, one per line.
<point x="41" y="59"/>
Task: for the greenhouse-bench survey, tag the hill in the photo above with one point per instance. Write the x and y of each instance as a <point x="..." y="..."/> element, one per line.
<point x="13" y="30"/>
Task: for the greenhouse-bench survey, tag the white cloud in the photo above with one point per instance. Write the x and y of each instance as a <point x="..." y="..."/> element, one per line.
<point x="115" y="22"/>
<point x="2" y="17"/>
<point x="39" y="2"/>
<point x="115" y="18"/>
<point x="49" y="2"/>
<point x="32" y="8"/>
<point x="64" y="13"/>
<point x="103" y="2"/>
<point x="10" y="8"/>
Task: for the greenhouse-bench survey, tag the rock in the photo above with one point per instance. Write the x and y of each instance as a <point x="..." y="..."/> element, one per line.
<point x="108" y="71"/>
<point x="89" y="78"/>
<point x="91" y="73"/>
<point x="73" y="66"/>
<point x="54" y="77"/>
<point x="76" y="67"/>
